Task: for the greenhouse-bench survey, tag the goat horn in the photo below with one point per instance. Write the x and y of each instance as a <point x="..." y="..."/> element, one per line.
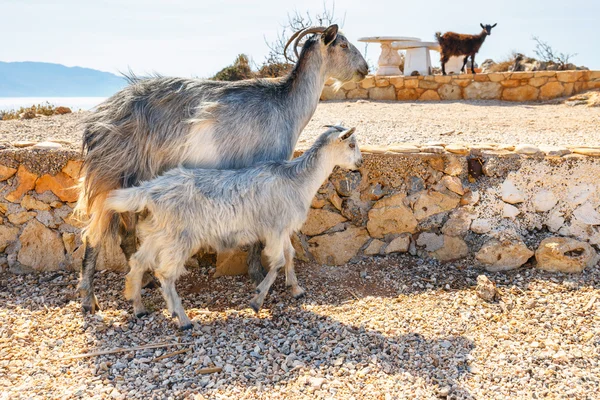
<point x="338" y="127"/>
<point x="298" y="36"/>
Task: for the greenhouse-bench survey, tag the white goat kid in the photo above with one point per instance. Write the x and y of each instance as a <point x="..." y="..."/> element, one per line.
<point x="193" y="209"/>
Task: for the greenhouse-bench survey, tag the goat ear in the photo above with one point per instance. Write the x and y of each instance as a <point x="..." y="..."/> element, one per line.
<point x="481" y="25"/>
<point x="348" y="133"/>
<point x="493" y="26"/>
<point x="330" y="34"/>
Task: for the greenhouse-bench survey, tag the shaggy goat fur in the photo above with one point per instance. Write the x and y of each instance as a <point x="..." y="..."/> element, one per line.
<point x="193" y="209"/>
<point x="457" y="44"/>
<point x="159" y="123"/>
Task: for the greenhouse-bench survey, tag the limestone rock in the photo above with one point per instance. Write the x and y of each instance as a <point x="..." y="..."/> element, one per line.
<point x="61" y="184"/>
<point x="346" y="183"/>
<point x="454" y="166"/>
<point x="390" y="215"/>
<point x="25" y="182"/>
<point x="587" y="214"/>
<point x="231" y="262"/>
<point x="73" y="168"/>
<point x="338" y="248"/>
<point x="111" y="258"/>
<point x="368" y="82"/>
<point x="358" y="93"/>
<point x="299" y="247"/>
<point x="374" y="247"/>
<point x="579" y="194"/>
<point x="47" y="145"/>
<point x="430" y="241"/>
<point x="373" y="192"/>
<point x="453" y="184"/>
<point x="8" y="234"/>
<point x="486" y="289"/>
<point x="398" y="245"/>
<point x="483" y="91"/>
<point x="520" y="93"/>
<point x="481" y="226"/>
<point x="403" y="148"/>
<point x="504" y="255"/>
<point x="21" y="217"/>
<point x="560" y="254"/>
<point x="330" y="93"/>
<point x="459" y="223"/>
<point x="31" y="203"/>
<point x="551" y="90"/>
<point x="318" y="202"/>
<point x="450" y="92"/>
<point x="320" y="220"/>
<point x="382" y="93"/>
<point x="555" y="220"/>
<point x="355" y="211"/>
<point x="587" y="151"/>
<point x="554" y="151"/>
<point x="510" y="193"/>
<point x="41" y="248"/>
<point x="544" y="200"/>
<point x="509" y="211"/>
<point x="470" y="198"/>
<point x="6" y="172"/>
<point x="457" y="149"/>
<point x="527" y="149"/>
<point x="453" y="248"/>
<point x="429" y="203"/>
<point x="336" y="201"/>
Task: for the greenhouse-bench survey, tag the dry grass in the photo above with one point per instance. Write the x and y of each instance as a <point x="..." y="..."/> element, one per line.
<point x="33" y="111"/>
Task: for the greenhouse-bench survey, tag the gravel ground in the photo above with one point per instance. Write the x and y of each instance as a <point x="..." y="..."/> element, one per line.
<point x="390" y="328"/>
<point x="391" y="122"/>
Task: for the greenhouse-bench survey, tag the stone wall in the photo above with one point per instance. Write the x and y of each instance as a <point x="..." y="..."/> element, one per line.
<point x="499" y="204"/>
<point x="509" y="86"/>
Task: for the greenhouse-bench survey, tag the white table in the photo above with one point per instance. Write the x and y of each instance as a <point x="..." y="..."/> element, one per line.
<point x="389" y="60"/>
<point x="417" y="55"/>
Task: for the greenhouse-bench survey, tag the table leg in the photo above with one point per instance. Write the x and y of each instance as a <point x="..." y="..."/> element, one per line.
<point x="417" y="59"/>
<point x="389" y="60"/>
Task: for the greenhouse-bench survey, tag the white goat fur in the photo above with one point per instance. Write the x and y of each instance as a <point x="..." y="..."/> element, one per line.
<point x="193" y="209"/>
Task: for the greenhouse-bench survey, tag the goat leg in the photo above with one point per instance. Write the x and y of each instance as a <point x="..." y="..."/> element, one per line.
<point x="256" y="271"/>
<point x="89" y="302"/>
<point x="129" y="247"/>
<point x="465" y="60"/>
<point x="290" y="274"/>
<point x="473" y="63"/>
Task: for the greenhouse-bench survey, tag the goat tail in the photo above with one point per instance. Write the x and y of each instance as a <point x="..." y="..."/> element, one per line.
<point x="438" y="36"/>
<point x="133" y="199"/>
<point x="111" y="213"/>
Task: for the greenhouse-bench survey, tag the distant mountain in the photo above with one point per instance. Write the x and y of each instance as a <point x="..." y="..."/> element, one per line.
<point x="36" y="79"/>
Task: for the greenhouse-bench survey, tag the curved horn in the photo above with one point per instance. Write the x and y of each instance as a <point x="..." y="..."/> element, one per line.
<point x="299" y="35"/>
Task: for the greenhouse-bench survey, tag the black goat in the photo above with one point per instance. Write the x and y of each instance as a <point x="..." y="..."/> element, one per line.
<point x="457" y="44"/>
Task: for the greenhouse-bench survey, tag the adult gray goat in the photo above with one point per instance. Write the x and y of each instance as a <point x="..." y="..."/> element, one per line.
<point x="267" y="202"/>
<point x="159" y="123"/>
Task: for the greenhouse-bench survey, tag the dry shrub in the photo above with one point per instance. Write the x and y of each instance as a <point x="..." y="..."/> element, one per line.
<point x="239" y="70"/>
<point x="62" y="110"/>
<point x="46" y="109"/>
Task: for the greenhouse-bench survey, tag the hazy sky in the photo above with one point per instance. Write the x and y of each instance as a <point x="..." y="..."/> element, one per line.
<point x="197" y="38"/>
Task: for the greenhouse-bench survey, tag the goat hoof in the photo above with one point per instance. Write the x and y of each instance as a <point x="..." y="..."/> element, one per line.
<point x="90" y="305"/>
<point x="299" y="295"/>
<point x="255" y="306"/>
<point x="141" y="314"/>
<point x="186" y="327"/>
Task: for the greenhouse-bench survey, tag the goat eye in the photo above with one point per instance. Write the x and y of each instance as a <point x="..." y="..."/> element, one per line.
<point x="352" y="145"/>
<point x="344" y="45"/>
